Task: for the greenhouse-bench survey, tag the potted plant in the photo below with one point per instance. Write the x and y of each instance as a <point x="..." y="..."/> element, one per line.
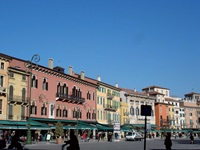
<point x="59" y="132"/>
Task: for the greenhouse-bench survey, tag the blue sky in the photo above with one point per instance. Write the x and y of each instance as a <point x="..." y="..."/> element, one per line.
<point x="134" y="43"/>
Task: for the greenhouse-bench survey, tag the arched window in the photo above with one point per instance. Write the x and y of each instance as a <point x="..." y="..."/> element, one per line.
<point x="23" y="94"/>
<point x="65" y="90"/>
<point x="43" y="110"/>
<point x="74" y="91"/>
<point x="11" y="89"/>
<point x="131" y="111"/>
<point x="137" y="111"/>
<point x="45" y="84"/>
<point x="65" y="112"/>
<point x="34" y="82"/>
<point x="58" y="89"/>
<point x="33" y="108"/>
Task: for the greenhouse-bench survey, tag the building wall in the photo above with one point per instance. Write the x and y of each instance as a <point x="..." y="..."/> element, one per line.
<point x="105" y="115"/>
<point x="124" y="111"/>
<point x="162" y="111"/>
<point x="4" y="64"/>
<point x="47" y="98"/>
<point x="18" y="84"/>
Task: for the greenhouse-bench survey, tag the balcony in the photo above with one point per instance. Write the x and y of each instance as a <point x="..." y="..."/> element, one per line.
<point x="69" y="98"/>
<point x="110" y="96"/>
<point x="2" y="90"/>
<point x="110" y="108"/>
<point x="10" y="116"/>
<point x="18" y="100"/>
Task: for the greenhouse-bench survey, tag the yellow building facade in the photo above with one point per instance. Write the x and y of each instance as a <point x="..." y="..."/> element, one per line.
<point x="124" y="113"/>
<point x="108" y="104"/>
<point x="17" y="94"/>
<point x="4" y="64"/>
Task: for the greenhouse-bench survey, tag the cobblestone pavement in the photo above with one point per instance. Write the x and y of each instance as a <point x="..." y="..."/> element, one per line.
<point x="152" y="144"/>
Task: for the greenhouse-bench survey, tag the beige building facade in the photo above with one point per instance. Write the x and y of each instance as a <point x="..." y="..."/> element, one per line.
<point x="191" y="106"/>
<point x="4" y="64"/>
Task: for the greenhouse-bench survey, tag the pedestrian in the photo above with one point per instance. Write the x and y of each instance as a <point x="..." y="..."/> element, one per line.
<point x="36" y="137"/>
<point x="98" y="136"/>
<point x="168" y="141"/>
<point x="73" y="142"/>
<point x="191" y="138"/>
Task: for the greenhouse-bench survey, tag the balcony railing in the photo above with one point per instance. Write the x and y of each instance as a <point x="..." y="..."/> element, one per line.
<point x="10" y="116"/>
<point x="110" y="107"/>
<point x="110" y="96"/>
<point x="18" y="100"/>
<point x="69" y="98"/>
<point x="2" y="90"/>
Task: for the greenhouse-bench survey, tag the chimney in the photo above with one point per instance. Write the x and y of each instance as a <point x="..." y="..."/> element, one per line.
<point x="134" y="89"/>
<point x="116" y="85"/>
<point x="99" y="78"/>
<point x="82" y="75"/>
<point x="70" y="70"/>
<point x="50" y="63"/>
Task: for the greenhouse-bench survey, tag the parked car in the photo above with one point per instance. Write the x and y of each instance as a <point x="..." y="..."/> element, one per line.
<point x="133" y="136"/>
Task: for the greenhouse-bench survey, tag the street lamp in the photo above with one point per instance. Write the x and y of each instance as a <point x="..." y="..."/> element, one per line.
<point x="77" y="116"/>
<point x="30" y="65"/>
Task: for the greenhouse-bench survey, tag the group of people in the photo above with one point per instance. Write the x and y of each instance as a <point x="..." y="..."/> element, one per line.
<point x="168" y="141"/>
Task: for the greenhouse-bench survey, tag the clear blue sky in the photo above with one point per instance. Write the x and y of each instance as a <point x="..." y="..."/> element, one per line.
<point x="135" y="43"/>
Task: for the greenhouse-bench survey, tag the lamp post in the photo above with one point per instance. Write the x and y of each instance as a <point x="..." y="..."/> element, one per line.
<point x="77" y="116"/>
<point x="30" y="65"/>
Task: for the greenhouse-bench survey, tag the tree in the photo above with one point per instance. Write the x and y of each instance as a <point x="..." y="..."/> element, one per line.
<point x="59" y="132"/>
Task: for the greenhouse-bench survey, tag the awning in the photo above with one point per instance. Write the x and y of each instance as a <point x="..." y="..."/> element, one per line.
<point x="23" y="125"/>
<point x="104" y="128"/>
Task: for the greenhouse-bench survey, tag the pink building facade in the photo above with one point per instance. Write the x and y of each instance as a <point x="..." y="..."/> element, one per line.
<point x="59" y="95"/>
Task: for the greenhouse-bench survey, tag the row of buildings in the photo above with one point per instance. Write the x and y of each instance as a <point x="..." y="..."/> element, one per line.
<point x="46" y="95"/>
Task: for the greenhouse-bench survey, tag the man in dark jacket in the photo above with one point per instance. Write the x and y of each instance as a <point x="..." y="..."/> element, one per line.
<point x="73" y="142"/>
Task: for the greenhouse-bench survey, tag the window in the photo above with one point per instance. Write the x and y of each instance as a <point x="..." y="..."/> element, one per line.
<point x="65" y="112"/>
<point x="93" y="96"/>
<point x="11" y="74"/>
<point x="10" y="112"/>
<point x="43" y="110"/>
<point x="23" y="113"/>
<point x="11" y="93"/>
<point x="0" y="106"/>
<point x="88" y="95"/>
<point x="33" y="108"/>
<point x="88" y="115"/>
<point x="24" y="77"/>
<point x="76" y="92"/>
<point x="58" y="112"/>
<point x="137" y="111"/>
<point x="1" y="81"/>
<point x="65" y="90"/>
<point x="2" y="65"/>
<point x="190" y="114"/>
<point x="93" y="115"/>
<point x="34" y="82"/>
<point x="45" y="84"/>
<point x="131" y="111"/>
<point x="23" y="95"/>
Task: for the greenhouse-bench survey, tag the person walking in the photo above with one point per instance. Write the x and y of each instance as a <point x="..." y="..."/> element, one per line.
<point x="191" y="138"/>
<point x="168" y="141"/>
<point x="36" y="137"/>
<point x="73" y="142"/>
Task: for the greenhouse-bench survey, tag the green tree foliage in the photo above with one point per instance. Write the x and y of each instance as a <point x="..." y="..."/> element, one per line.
<point x="59" y="132"/>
